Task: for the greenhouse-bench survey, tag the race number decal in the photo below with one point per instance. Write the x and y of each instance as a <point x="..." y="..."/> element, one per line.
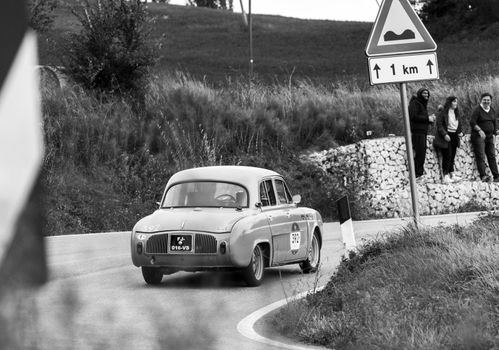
<point x="295" y="238"/>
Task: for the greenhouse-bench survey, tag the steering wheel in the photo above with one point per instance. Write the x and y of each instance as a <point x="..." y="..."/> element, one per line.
<point x="226" y="198"/>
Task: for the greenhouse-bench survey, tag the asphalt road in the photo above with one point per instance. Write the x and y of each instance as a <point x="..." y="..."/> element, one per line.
<point x="96" y="298"/>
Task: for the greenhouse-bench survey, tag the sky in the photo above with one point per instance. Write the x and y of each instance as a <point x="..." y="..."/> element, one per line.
<point x="339" y="10"/>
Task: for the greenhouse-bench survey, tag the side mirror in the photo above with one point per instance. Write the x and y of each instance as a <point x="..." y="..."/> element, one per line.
<point x="296" y="199"/>
<point x="158" y="204"/>
<point x="258" y="204"/>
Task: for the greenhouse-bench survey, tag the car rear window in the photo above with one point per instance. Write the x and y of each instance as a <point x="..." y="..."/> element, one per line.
<point x="206" y="194"/>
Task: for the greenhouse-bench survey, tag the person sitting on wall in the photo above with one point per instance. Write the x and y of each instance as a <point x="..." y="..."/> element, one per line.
<point x="483" y="124"/>
<point x="447" y="137"/>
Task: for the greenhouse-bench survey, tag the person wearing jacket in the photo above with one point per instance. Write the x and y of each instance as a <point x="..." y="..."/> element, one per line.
<point x="447" y="137"/>
<point x="420" y="120"/>
<point x="483" y="124"/>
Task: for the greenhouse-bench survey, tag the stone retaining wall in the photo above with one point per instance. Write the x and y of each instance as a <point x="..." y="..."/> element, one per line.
<point x="379" y="169"/>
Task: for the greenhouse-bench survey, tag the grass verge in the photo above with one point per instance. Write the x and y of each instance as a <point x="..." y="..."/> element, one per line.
<point x="434" y="288"/>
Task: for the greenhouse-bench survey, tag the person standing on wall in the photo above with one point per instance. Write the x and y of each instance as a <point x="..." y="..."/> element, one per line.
<point x="420" y="120"/>
<point x="447" y="138"/>
<point x="483" y="124"/>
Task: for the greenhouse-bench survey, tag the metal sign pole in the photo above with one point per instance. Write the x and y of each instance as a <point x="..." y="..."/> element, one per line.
<point x="410" y="153"/>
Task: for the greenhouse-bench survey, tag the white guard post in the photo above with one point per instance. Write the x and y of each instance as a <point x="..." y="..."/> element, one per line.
<point x="346" y="225"/>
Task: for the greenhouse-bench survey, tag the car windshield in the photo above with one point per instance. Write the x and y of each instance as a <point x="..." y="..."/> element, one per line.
<point x="206" y="194"/>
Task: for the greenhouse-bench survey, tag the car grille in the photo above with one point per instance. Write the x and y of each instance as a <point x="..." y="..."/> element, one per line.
<point x="203" y="244"/>
<point x="157" y="244"/>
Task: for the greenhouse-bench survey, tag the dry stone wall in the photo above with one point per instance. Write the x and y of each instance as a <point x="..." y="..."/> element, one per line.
<point x="379" y="169"/>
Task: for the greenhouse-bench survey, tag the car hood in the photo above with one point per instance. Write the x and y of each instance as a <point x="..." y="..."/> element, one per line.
<point x="190" y="219"/>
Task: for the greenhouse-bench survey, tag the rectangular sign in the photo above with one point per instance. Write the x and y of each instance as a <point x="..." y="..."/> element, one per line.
<point x="403" y="68"/>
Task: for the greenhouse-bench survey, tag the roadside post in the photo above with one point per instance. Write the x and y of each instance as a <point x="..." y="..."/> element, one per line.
<point x="22" y="252"/>
<point x="346" y="225"/>
<point x="400" y="50"/>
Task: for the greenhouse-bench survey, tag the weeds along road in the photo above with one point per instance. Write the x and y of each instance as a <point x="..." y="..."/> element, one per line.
<point x="97" y="299"/>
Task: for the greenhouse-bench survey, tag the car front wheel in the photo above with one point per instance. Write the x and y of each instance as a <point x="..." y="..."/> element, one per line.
<point x="313" y="256"/>
<point x="152" y="275"/>
<point x="253" y="274"/>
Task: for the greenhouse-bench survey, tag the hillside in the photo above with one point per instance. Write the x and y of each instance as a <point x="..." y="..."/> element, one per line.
<point x="106" y="162"/>
<point x="213" y="46"/>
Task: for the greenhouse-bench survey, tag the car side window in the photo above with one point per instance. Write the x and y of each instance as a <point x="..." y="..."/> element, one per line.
<point x="267" y="195"/>
<point x="263" y="195"/>
<point x="282" y="192"/>
<point x="288" y="193"/>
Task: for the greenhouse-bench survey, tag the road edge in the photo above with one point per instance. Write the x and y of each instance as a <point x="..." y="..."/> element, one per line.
<point x="246" y="326"/>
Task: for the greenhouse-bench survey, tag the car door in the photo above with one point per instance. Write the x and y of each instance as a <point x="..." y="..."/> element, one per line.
<point x="289" y="228"/>
<point x="274" y="215"/>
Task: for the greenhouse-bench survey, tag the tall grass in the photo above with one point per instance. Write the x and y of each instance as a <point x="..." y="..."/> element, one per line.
<point x="106" y="163"/>
<point x="431" y="289"/>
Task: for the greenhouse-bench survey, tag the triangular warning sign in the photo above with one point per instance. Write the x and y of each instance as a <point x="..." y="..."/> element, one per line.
<point x="398" y="30"/>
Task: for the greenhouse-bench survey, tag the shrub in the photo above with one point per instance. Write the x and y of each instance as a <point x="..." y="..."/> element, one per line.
<point x="111" y="53"/>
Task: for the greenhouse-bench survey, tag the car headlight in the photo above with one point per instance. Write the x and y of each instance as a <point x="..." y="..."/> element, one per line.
<point x="141" y="237"/>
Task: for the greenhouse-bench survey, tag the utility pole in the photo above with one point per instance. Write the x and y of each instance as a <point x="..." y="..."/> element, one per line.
<point x="250" y="25"/>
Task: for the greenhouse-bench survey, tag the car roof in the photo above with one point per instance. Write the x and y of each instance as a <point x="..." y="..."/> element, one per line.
<point x="244" y="175"/>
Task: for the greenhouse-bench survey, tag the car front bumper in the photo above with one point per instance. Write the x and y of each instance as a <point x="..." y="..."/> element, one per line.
<point x="207" y="251"/>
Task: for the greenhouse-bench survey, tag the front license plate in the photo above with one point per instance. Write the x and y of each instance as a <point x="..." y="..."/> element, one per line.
<point x="181" y="243"/>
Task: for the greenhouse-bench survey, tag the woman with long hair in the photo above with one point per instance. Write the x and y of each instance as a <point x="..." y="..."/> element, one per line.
<point x="447" y="137"/>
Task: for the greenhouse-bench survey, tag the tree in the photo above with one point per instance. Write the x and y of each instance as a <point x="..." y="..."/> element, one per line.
<point x="444" y="17"/>
<point x="40" y="14"/>
<point x="111" y="53"/>
<point x="214" y="4"/>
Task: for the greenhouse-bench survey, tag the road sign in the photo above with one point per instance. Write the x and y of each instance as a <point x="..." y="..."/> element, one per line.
<point x="398" y="30"/>
<point x="403" y="68"/>
<point x="400" y="50"/>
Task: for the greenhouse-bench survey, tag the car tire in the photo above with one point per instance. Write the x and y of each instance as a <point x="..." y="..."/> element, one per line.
<point x="311" y="264"/>
<point x="253" y="274"/>
<point x="152" y="275"/>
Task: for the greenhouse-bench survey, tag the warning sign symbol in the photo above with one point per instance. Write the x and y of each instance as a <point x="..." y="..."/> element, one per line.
<point x="398" y="30"/>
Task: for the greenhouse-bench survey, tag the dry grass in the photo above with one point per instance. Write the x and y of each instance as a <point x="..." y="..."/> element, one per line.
<point x="104" y="148"/>
<point x="431" y="289"/>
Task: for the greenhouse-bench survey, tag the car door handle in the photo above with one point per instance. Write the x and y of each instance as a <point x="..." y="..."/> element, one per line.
<point x="269" y="217"/>
<point x="288" y="214"/>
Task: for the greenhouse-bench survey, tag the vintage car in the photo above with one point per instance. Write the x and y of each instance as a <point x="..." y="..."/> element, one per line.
<point x="226" y="217"/>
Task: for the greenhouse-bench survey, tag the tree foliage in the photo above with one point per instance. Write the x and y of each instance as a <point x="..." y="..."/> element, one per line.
<point x="111" y="53"/>
<point x="447" y="17"/>
<point x="40" y="14"/>
<point x="214" y="4"/>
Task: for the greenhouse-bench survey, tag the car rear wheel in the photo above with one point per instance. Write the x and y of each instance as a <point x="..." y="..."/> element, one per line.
<point x="313" y="256"/>
<point x="253" y="274"/>
<point x="152" y="275"/>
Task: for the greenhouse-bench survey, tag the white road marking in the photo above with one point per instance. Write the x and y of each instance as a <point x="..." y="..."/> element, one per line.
<point x="246" y="326"/>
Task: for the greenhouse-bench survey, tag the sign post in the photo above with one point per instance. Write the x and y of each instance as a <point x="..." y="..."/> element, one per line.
<point x="401" y="50"/>
<point x="410" y="152"/>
